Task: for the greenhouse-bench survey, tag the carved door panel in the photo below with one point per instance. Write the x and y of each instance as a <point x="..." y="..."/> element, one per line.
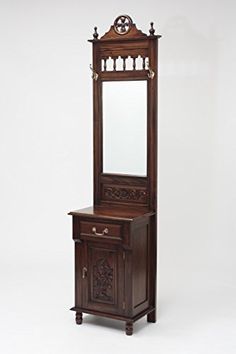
<point x="104" y="281"/>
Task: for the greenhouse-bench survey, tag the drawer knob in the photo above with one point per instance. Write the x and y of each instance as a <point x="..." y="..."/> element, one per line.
<point x="104" y="232"/>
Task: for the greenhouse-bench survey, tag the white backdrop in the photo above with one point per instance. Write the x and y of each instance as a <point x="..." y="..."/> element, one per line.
<point x="46" y="171"/>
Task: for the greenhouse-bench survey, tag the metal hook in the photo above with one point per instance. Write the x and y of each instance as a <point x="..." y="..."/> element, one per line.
<point x="94" y="73"/>
<point x="151" y="73"/>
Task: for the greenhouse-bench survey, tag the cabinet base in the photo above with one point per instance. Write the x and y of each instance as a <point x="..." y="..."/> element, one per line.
<point x="151" y="317"/>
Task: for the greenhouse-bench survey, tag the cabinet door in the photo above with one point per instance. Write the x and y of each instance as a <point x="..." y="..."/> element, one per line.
<point x="103" y="284"/>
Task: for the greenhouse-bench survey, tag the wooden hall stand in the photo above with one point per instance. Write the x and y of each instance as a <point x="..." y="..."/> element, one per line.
<point x="116" y="239"/>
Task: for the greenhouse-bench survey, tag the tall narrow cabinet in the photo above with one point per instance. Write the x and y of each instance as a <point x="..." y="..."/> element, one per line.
<point x="116" y="238"/>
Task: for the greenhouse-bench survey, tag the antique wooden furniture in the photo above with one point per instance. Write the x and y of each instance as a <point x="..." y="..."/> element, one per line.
<point x="116" y="239"/>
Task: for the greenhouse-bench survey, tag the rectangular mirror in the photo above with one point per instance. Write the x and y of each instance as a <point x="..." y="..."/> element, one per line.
<point x="125" y="127"/>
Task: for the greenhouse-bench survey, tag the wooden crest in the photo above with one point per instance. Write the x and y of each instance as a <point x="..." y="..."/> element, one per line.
<point x="122" y="29"/>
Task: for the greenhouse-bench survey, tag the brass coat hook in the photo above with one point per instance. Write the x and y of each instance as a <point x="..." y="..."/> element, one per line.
<point x="94" y="73"/>
<point x="150" y="73"/>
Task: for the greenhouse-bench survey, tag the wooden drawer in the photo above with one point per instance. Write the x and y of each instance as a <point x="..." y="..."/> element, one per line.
<point x="100" y="230"/>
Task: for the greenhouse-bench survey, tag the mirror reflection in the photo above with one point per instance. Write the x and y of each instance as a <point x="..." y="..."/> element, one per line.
<point x="125" y="127"/>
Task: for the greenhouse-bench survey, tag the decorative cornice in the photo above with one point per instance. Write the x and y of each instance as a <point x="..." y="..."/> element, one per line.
<point x="123" y="28"/>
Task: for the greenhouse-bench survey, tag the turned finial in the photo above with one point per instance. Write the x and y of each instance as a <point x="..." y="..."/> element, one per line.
<point x="95" y="35"/>
<point x="152" y="30"/>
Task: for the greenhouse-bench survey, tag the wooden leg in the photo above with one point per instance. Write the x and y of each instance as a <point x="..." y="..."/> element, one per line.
<point x="129" y="328"/>
<point x="151" y="317"/>
<point x="79" y="318"/>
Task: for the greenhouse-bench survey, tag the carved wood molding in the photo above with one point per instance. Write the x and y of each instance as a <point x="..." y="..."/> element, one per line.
<point x="102" y="280"/>
<point x="123" y="193"/>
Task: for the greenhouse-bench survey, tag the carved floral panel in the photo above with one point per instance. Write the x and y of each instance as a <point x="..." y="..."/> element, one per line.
<point x="102" y="280"/>
<point x="124" y="193"/>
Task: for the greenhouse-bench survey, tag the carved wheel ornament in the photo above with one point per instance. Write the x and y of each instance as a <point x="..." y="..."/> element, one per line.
<point x="122" y="24"/>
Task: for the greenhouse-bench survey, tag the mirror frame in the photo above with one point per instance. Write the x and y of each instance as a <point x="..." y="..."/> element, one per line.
<point x="119" y="189"/>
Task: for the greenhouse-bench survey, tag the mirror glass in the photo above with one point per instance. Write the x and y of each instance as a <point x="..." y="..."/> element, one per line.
<point x="125" y="127"/>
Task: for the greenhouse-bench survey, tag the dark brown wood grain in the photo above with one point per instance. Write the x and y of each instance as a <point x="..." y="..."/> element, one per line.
<point x="140" y="262"/>
<point x="116" y="239"/>
<point x="146" y="46"/>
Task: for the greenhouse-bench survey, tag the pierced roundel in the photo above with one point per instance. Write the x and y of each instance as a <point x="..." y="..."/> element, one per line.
<point x="122" y="24"/>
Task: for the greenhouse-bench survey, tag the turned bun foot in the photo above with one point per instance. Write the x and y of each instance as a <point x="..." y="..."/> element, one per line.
<point x="129" y="328"/>
<point x="78" y="318"/>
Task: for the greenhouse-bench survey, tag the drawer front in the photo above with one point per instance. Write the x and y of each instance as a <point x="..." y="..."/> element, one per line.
<point x="100" y="230"/>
